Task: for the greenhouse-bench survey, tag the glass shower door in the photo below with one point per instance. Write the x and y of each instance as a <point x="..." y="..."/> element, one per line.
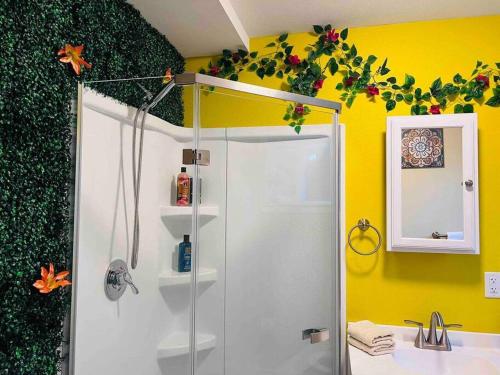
<point x="267" y="279"/>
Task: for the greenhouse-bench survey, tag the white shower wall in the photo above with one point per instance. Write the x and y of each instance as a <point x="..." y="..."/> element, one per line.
<point x="266" y="263"/>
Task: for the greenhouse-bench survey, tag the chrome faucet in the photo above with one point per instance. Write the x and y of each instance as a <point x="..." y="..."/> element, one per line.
<point x="432" y="342"/>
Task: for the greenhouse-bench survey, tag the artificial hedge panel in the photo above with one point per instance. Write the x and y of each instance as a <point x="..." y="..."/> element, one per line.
<point x="35" y="156"/>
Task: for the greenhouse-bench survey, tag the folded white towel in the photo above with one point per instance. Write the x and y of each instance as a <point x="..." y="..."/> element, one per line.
<point x="368" y="333"/>
<point x="386" y="348"/>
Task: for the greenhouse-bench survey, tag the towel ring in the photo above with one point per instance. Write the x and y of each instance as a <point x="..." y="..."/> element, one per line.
<point x="364" y="225"/>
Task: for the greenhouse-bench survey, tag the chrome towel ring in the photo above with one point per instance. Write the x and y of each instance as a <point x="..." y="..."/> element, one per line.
<point x="363" y="225"/>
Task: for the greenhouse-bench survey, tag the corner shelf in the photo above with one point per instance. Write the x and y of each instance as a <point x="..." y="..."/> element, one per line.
<point x="186" y="212"/>
<point x="173" y="278"/>
<point x="177" y="344"/>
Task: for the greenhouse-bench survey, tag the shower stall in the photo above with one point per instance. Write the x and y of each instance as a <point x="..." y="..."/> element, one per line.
<point x="264" y="294"/>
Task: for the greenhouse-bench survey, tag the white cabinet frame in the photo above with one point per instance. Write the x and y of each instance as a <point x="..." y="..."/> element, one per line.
<point x="395" y="241"/>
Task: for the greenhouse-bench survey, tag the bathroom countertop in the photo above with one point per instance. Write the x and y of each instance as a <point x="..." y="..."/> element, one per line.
<point x="472" y="353"/>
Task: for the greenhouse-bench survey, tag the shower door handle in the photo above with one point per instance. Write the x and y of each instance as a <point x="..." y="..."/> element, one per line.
<point x="316" y="335"/>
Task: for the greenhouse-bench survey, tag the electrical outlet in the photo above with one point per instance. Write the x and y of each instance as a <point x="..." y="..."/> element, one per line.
<point x="492" y="284"/>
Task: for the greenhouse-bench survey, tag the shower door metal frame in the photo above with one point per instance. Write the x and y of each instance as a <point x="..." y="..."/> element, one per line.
<point x="338" y="323"/>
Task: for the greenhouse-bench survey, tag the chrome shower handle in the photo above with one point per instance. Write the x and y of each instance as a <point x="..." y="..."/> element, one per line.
<point x="128" y="279"/>
<point x="407" y="321"/>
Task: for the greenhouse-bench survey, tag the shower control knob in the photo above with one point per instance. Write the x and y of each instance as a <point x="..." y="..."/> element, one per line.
<point x="469" y="183"/>
<point x="117" y="279"/>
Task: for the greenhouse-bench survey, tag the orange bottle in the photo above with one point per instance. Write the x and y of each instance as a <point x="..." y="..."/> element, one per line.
<point x="183" y="188"/>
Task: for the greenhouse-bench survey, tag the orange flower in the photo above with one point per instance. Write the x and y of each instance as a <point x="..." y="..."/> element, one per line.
<point x="71" y="54"/>
<point x="49" y="282"/>
<point x="168" y="76"/>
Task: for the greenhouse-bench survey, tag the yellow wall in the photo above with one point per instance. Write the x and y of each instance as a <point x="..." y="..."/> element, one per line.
<point x="390" y="287"/>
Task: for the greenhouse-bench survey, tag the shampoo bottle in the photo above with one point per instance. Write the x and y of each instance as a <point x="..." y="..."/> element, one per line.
<point x="185" y="255"/>
<point x="183" y="188"/>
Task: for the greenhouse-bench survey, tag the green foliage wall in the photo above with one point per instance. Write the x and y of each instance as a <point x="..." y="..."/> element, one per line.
<point x="35" y="159"/>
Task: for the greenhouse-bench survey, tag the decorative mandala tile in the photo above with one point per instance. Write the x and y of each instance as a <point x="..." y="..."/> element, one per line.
<point x="422" y="148"/>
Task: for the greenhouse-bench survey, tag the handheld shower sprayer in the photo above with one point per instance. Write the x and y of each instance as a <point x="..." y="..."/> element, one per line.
<point x="137" y="161"/>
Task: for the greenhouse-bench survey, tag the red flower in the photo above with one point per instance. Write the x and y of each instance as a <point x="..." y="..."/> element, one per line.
<point x="484" y="80"/>
<point x="214" y="70"/>
<point x="435" y="109"/>
<point x="299" y="109"/>
<point x="372" y="90"/>
<point x="294" y="60"/>
<point x="235" y="57"/>
<point x="318" y="84"/>
<point x="332" y="36"/>
<point x="349" y="81"/>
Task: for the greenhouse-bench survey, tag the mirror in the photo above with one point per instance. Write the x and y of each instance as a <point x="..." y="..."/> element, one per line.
<point x="432" y="183"/>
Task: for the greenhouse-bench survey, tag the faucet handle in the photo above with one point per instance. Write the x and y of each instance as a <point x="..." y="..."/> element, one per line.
<point x="414" y="323"/>
<point x="452" y="325"/>
<point x="420" y="338"/>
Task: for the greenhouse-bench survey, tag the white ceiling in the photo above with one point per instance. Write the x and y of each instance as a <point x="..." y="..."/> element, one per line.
<point x="269" y="17"/>
<point x="205" y="27"/>
<point x="195" y="27"/>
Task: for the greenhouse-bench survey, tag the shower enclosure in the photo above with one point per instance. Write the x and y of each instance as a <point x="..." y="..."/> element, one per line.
<point x="264" y="292"/>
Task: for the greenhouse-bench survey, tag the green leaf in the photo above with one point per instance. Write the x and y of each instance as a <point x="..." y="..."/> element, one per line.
<point x="353" y="52"/>
<point x="283" y="37"/>
<point x="227" y="53"/>
<point x="253" y="54"/>
<point x="391" y="79"/>
<point x="498" y="65"/>
<point x="297" y="129"/>
<point x="459" y="108"/>
<point x="371" y="59"/>
<point x="287" y="117"/>
<point x="494" y="101"/>
<point x="350" y="100"/>
<point x="426" y="96"/>
<point x="253" y="67"/>
<point x="422" y="110"/>
<point x="386" y="95"/>
<point x="261" y="72"/>
<point x="457" y="78"/>
<point x="409" y="98"/>
<point x="468" y="108"/>
<point x="478" y="64"/>
<point x="272" y="44"/>
<point x="390" y="105"/>
<point x="328" y="27"/>
<point x="288" y="50"/>
<point x="279" y="74"/>
<point x="279" y="55"/>
<point x="344" y="33"/>
<point x="333" y="66"/>
<point x="242" y="53"/>
<point x="409" y="80"/>
<point x="318" y="29"/>
<point x="270" y="71"/>
<point x="436" y="85"/>
<point x="383" y="68"/>
<point x="357" y="61"/>
<point x="345" y="47"/>
<point x="339" y="86"/>
<point x="233" y="77"/>
<point x="399" y="97"/>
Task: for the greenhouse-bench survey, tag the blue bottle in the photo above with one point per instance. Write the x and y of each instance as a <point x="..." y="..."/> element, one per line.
<point x="185" y="255"/>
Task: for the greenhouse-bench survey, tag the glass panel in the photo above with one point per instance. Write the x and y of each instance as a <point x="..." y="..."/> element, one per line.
<point x="431" y="183"/>
<point x="265" y="238"/>
<point x="148" y="332"/>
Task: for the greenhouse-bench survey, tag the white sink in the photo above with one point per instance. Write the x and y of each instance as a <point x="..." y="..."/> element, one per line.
<point x="472" y="353"/>
<point x="460" y="361"/>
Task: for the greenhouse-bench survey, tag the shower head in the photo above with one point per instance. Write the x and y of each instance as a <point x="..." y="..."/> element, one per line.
<point x="170" y="85"/>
